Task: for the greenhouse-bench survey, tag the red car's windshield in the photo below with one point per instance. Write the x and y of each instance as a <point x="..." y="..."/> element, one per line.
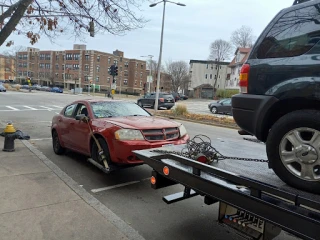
<point x="117" y="109"/>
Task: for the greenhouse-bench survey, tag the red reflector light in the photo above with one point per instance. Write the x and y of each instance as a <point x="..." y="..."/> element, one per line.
<point x="202" y="159"/>
<point x="161" y="99"/>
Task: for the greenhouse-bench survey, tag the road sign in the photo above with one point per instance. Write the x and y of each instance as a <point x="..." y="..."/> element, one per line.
<point x="114" y="86"/>
<point x="149" y="79"/>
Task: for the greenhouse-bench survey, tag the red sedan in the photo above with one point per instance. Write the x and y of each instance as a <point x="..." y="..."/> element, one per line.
<point x="119" y="126"/>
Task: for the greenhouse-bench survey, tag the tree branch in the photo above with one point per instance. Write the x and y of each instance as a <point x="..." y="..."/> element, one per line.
<point x="14" y="20"/>
<point x="9" y="11"/>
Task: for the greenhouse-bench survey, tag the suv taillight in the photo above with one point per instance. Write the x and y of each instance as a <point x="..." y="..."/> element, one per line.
<point x="161" y="99"/>
<point x="244" y="77"/>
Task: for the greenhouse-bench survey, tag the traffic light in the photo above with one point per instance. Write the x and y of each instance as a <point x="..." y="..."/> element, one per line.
<point x="111" y="70"/>
<point x="116" y="70"/>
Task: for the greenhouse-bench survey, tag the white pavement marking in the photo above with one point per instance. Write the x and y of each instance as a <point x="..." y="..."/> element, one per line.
<point x="39" y="139"/>
<point x="57" y="113"/>
<point x="57" y="106"/>
<point x="15" y="109"/>
<point x="49" y="109"/>
<point x="30" y="108"/>
<point x="117" y="186"/>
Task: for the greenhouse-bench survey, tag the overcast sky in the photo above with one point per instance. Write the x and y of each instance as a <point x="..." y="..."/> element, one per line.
<point x="188" y="30"/>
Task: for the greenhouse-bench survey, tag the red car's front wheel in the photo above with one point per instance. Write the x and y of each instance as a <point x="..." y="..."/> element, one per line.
<point x="95" y="151"/>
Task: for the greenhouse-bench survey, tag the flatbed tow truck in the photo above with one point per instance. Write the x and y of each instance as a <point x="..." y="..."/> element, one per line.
<point x="254" y="209"/>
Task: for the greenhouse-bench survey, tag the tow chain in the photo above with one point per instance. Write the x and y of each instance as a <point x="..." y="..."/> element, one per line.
<point x="193" y="149"/>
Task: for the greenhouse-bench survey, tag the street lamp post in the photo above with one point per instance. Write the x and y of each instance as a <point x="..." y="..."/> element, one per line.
<point x="150" y="72"/>
<point x="161" y="44"/>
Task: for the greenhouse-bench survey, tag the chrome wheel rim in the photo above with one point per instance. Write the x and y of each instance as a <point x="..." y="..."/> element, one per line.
<point x="300" y="153"/>
<point x="214" y="110"/>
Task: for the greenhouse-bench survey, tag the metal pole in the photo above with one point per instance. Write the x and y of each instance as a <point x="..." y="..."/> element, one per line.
<point x="149" y="84"/>
<point x="160" y="56"/>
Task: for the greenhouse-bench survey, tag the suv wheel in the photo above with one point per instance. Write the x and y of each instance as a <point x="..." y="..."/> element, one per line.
<point x="293" y="145"/>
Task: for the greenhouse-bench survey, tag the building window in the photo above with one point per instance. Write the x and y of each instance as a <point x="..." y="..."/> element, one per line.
<point x="41" y="65"/>
<point x="75" y="66"/>
<point x="210" y="76"/>
<point x="141" y="75"/>
<point x="98" y="59"/>
<point x="207" y="66"/>
<point x="141" y="66"/>
<point x="48" y="56"/>
<point x="68" y="56"/>
<point x="62" y="66"/>
<point x="140" y="83"/>
<point x="76" y="56"/>
<point x="97" y="79"/>
<point x="125" y="82"/>
<point x="126" y="64"/>
<point x="109" y="60"/>
<point x="206" y="76"/>
<point x="57" y="58"/>
<point x="57" y="66"/>
<point x="86" y="78"/>
<point x="135" y="82"/>
<point x="115" y="62"/>
<point x="86" y="68"/>
<point x="137" y="64"/>
<point x="24" y="64"/>
<point x="42" y="56"/>
<point x="120" y="59"/>
<point x="47" y="65"/>
<point x="86" y="57"/>
<point x="126" y="74"/>
<point x="98" y="68"/>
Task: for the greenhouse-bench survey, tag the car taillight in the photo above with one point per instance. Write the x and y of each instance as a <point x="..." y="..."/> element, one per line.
<point x="161" y="99"/>
<point x="244" y="77"/>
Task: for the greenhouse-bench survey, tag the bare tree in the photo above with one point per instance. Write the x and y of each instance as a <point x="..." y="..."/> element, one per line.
<point x="178" y="72"/>
<point x="55" y="17"/>
<point x="242" y="37"/>
<point x="219" y="51"/>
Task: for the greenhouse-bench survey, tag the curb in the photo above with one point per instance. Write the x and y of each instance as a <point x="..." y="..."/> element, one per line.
<point x="87" y="197"/>
<point x="195" y="121"/>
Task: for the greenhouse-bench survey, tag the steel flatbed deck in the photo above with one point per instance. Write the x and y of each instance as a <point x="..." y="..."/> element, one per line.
<point x="248" y="188"/>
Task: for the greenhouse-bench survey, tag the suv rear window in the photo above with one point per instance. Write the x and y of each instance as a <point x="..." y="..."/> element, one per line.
<point x="294" y="34"/>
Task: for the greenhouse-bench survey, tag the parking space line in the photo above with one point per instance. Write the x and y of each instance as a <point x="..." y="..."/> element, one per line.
<point x="50" y="109"/>
<point x="57" y="106"/>
<point x="12" y="108"/>
<point x="117" y="186"/>
<point x="39" y="139"/>
<point x="30" y="108"/>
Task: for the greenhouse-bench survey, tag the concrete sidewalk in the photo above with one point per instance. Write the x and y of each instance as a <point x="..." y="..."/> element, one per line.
<point x="39" y="201"/>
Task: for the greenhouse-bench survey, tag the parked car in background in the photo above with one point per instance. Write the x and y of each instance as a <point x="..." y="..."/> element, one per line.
<point x="36" y="87"/>
<point x="222" y="106"/>
<point x="166" y="100"/>
<point x="120" y="127"/>
<point x="183" y="97"/>
<point x="56" y="90"/>
<point x="2" y="88"/>
<point x="176" y="96"/>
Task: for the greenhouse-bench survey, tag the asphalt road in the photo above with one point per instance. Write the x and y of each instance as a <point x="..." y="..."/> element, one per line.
<point x="127" y="192"/>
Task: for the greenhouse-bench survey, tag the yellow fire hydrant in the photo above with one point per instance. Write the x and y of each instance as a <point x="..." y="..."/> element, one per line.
<point x="9" y="138"/>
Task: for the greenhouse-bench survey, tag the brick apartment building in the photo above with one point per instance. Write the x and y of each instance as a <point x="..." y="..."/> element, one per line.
<point x="165" y="82"/>
<point x="7" y="68"/>
<point x="77" y="67"/>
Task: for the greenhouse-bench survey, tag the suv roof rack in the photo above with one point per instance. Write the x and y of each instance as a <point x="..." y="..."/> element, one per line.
<point x="300" y="1"/>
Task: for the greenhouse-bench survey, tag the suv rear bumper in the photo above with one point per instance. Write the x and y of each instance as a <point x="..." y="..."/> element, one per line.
<point x="251" y="112"/>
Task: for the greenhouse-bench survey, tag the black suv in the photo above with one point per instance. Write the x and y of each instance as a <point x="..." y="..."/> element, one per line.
<point x="166" y="100"/>
<point x="279" y="101"/>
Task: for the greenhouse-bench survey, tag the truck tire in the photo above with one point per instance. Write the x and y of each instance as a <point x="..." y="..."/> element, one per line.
<point x="293" y="146"/>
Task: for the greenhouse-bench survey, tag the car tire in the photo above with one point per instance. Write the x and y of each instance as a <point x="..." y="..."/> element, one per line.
<point x="214" y="110"/>
<point x="140" y="104"/>
<point x="168" y="108"/>
<point x="290" y="160"/>
<point x="95" y="152"/>
<point x="57" y="148"/>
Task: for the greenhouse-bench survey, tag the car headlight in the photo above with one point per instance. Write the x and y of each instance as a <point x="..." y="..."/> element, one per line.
<point x="128" y="134"/>
<point x="182" y="130"/>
